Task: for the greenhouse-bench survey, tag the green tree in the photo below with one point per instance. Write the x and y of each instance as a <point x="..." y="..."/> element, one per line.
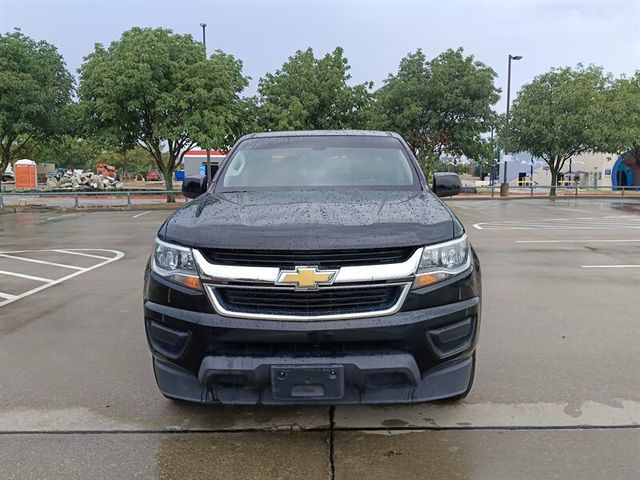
<point x="440" y="106"/>
<point x="485" y="164"/>
<point x="621" y="131"/>
<point x="35" y="90"/>
<point x="487" y="161"/>
<point x="66" y="151"/>
<point x="154" y="89"/>
<point x="248" y="120"/>
<point x="308" y="93"/>
<point x="560" y="114"/>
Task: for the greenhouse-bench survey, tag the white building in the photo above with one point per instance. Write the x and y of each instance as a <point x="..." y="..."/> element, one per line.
<point x="195" y="161"/>
<point x="587" y="169"/>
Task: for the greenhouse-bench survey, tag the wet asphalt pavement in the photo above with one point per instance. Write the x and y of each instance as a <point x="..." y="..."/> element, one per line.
<point x="556" y="395"/>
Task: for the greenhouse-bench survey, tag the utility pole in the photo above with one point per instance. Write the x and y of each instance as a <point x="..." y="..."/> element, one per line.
<point x="511" y="57"/>
<point x="204" y="44"/>
<point x="504" y="188"/>
<point x="204" y="38"/>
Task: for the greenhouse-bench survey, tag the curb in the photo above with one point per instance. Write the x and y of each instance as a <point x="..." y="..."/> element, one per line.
<point x="94" y="208"/>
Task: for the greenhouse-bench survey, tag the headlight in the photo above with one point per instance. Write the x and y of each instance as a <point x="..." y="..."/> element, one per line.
<point x="441" y="261"/>
<point x="175" y="263"/>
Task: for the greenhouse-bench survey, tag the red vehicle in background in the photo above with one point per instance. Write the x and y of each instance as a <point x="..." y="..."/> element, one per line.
<point x="106" y="170"/>
<point x="154" y="175"/>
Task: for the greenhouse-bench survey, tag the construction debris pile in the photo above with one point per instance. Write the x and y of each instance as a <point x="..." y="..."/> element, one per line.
<point x="71" y="180"/>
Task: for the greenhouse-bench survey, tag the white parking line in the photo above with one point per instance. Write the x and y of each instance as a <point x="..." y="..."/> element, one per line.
<point x="7" y="296"/>
<point x="28" y="277"/>
<point x="117" y="255"/>
<point x="75" y="252"/>
<point x="53" y="264"/>
<point x="62" y="216"/>
<point x="610" y="266"/>
<point x="141" y="214"/>
<point x="579" y="241"/>
<point x="578" y="223"/>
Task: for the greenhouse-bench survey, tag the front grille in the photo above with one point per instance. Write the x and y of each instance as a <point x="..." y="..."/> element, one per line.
<point x="288" y="259"/>
<point x="327" y="301"/>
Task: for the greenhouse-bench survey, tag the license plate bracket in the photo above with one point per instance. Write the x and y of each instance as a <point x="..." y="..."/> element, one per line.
<point x="313" y="382"/>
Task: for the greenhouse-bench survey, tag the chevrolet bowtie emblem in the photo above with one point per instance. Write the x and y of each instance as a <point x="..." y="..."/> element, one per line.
<point x="306" y="278"/>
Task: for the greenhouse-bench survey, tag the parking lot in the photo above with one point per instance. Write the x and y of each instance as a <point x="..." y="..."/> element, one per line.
<point x="556" y="394"/>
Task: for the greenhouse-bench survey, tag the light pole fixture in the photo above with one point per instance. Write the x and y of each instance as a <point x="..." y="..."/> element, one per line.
<point x="511" y="57"/>
<point x="204" y="38"/>
<point x="504" y="187"/>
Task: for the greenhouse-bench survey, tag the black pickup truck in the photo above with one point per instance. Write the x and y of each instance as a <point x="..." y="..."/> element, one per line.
<point x="316" y="267"/>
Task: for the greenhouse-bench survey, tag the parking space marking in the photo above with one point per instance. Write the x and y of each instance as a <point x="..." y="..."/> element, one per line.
<point x="83" y="254"/>
<point x="141" y="214"/>
<point x="33" y="260"/>
<point x="610" y="266"/>
<point x="7" y="296"/>
<point x="595" y="240"/>
<point x="27" y="277"/>
<point x="62" y="216"/>
<point x="117" y="255"/>
<point x="580" y="223"/>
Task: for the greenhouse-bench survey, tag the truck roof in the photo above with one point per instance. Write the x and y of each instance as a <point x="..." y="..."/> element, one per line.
<point x="323" y="133"/>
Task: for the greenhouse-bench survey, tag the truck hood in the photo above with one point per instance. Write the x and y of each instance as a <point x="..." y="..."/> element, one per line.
<point x="312" y="220"/>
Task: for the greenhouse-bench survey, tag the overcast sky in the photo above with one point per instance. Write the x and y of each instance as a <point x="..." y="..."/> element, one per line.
<point x="374" y="33"/>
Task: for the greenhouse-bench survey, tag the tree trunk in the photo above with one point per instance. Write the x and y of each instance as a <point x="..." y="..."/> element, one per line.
<point x="4" y="161"/>
<point x="554" y="182"/>
<point x="167" y="171"/>
<point x="168" y="185"/>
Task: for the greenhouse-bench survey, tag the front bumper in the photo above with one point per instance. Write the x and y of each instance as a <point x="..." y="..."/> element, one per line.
<point x="423" y="352"/>
<point x="445" y="381"/>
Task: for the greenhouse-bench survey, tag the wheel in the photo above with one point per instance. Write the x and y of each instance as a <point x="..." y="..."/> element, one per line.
<point x="464" y="394"/>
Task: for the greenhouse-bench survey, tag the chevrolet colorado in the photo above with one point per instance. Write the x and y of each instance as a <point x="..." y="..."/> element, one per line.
<point x="316" y="267"/>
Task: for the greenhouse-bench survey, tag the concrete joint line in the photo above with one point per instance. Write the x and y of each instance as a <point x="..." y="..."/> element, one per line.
<point x="162" y="431"/>
<point x="331" y="441"/>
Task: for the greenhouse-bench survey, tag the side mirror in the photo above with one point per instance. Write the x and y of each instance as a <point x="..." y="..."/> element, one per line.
<point x="193" y="187"/>
<point x="446" y="184"/>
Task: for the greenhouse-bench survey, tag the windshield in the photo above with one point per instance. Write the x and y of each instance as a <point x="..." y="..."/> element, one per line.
<point x="318" y="162"/>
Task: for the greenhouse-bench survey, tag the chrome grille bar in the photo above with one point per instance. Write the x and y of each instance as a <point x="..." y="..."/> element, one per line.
<point x="355" y="274"/>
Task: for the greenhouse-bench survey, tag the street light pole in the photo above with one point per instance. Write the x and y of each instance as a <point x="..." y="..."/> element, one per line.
<point x="204" y="44"/>
<point x="204" y="38"/>
<point x="504" y="188"/>
<point x="511" y="57"/>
